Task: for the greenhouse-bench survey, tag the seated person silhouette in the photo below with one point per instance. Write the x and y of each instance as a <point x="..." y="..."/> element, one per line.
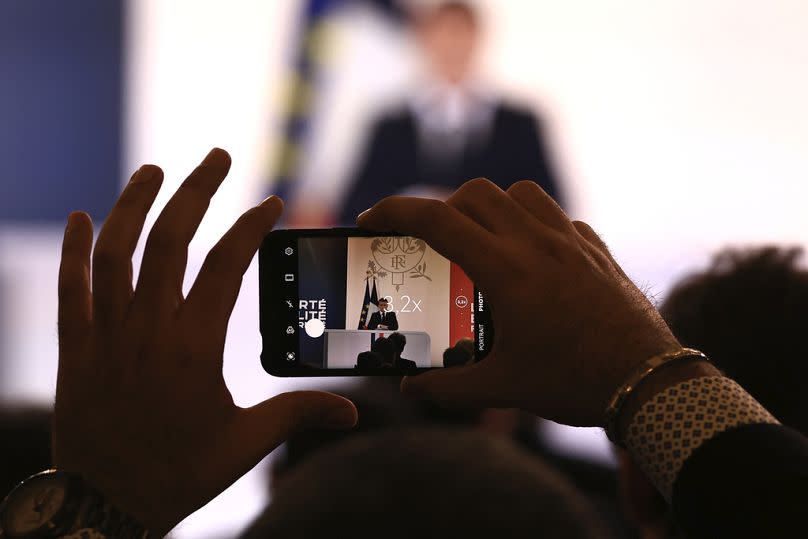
<point x="399" y="341"/>
<point x="383" y="319"/>
<point x="368" y="360"/>
<point x="383" y="348"/>
<point x="456" y="356"/>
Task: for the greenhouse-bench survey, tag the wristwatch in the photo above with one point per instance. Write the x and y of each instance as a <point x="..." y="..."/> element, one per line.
<point x="56" y="504"/>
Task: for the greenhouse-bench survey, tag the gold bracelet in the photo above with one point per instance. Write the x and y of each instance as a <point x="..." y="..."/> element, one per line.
<point x="641" y="373"/>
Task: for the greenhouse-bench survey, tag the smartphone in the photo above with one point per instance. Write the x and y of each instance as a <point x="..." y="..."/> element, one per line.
<point x="345" y="302"/>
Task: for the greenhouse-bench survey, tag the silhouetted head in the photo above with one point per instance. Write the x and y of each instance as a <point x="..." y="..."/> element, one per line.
<point x="449" y="34"/>
<point x="398" y="341"/>
<point x="384" y="349"/>
<point x="381" y="407"/>
<point x="406" y="483"/>
<point x="747" y="312"/>
<point x="456" y="356"/>
<point x="467" y="345"/>
<point x="368" y="360"/>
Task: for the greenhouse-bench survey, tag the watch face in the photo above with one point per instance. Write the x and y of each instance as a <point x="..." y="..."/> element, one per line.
<point x="33" y="505"/>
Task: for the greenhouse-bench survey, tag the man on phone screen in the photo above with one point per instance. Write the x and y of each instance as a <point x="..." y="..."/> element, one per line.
<point x="383" y="319"/>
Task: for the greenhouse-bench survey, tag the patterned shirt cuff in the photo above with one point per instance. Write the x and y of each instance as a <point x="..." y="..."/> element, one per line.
<point x="673" y="423"/>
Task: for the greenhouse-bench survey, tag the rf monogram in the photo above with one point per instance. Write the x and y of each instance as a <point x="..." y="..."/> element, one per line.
<point x="398" y="261"/>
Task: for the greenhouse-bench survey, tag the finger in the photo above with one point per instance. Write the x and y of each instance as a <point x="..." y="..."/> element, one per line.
<point x="159" y="286"/>
<point x="261" y="428"/>
<point x="589" y="234"/>
<point x="75" y="299"/>
<point x="214" y="293"/>
<point x="476" y="385"/>
<point x="112" y="257"/>
<point x="488" y="205"/>
<point x="532" y="198"/>
<point x="443" y="227"/>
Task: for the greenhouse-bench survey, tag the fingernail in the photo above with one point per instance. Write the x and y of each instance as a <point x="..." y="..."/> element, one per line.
<point x="144" y="174"/>
<point x="272" y="201"/>
<point x="73" y="220"/>
<point x="214" y="156"/>
<point x="340" y="418"/>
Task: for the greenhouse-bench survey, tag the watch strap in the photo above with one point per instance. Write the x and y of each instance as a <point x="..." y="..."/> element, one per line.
<point x="85" y="512"/>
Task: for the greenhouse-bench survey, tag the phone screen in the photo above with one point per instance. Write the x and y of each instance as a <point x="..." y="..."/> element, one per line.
<point x="341" y="301"/>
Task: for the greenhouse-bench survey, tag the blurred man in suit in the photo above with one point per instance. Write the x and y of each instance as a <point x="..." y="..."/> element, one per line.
<point x="368" y="360"/>
<point x="453" y="129"/>
<point x="383" y="319"/>
<point x="399" y="341"/>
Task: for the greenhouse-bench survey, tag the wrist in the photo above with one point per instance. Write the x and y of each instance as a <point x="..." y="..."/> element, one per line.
<point x="59" y="504"/>
<point x="626" y="357"/>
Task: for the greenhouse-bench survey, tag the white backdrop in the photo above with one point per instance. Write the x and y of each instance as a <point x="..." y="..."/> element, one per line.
<point x="679" y="126"/>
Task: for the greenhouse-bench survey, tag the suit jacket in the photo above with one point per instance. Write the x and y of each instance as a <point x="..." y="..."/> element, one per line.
<point x="368" y="360"/>
<point x="751" y="481"/>
<point x="512" y="150"/>
<point x="389" y="320"/>
<point x="405" y="364"/>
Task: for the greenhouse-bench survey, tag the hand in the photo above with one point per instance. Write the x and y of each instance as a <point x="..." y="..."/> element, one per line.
<point x="569" y="325"/>
<point x="142" y="411"/>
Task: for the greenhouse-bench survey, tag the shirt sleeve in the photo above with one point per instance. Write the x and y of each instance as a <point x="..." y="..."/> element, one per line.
<point x="726" y="464"/>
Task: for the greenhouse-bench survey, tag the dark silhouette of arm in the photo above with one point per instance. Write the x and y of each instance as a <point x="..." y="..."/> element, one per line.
<point x="751" y="481"/>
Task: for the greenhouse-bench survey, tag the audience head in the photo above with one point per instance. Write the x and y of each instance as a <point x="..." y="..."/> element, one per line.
<point x="398" y="341"/>
<point x="456" y="356"/>
<point x="381" y="407"/>
<point x="448" y="34"/>
<point x="747" y="312"/>
<point x="425" y="482"/>
<point x="467" y="345"/>
<point x="384" y="349"/>
<point x="368" y="360"/>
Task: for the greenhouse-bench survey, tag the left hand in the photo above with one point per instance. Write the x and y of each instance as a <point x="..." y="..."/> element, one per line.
<point x="142" y="411"/>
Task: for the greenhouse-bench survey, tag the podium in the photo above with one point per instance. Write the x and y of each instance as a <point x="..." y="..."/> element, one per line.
<point x="342" y="346"/>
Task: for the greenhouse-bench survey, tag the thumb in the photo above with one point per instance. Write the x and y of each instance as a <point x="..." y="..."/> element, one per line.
<point x="474" y="385"/>
<point x="265" y="426"/>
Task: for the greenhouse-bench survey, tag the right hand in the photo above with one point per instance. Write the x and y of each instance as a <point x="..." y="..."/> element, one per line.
<point x="570" y="326"/>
